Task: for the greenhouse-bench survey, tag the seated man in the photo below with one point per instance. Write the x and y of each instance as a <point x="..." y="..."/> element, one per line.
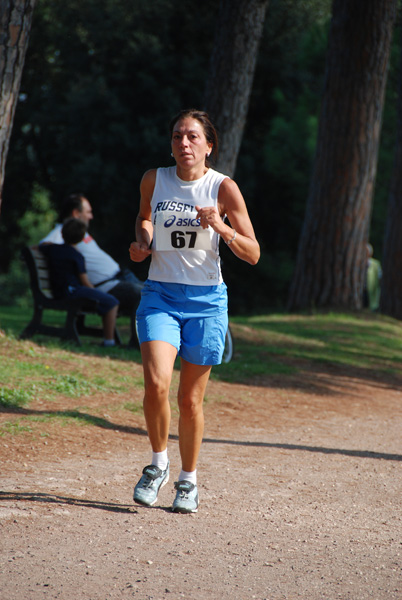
<point x="103" y="271"/>
<point x="70" y="280"/>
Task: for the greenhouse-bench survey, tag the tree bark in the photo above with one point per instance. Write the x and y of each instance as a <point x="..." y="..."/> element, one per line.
<point x="391" y="288"/>
<point x="232" y="67"/>
<point x="15" y="26"/>
<point x="330" y="265"/>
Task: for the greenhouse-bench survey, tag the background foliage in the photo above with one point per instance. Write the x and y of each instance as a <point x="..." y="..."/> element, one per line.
<point x="101" y="82"/>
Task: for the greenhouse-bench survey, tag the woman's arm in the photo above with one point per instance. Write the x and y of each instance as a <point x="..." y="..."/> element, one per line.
<point x="140" y="249"/>
<point x="240" y="236"/>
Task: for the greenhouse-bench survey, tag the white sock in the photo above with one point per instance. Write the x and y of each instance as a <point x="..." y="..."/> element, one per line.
<point x="190" y="476"/>
<point x="109" y="343"/>
<point x="160" y="459"/>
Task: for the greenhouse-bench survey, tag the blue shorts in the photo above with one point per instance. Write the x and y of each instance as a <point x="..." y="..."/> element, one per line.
<point x="192" y="318"/>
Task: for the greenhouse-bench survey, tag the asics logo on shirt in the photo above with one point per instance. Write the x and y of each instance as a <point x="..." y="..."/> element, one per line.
<point x="181" y="222"/>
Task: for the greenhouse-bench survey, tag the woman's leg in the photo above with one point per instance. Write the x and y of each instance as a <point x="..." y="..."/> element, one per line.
<point x="193" y="382"/>
<point x="158" y="362"/>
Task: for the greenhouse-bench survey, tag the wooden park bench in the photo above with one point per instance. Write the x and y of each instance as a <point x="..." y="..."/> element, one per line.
<point x="76" y="309"/>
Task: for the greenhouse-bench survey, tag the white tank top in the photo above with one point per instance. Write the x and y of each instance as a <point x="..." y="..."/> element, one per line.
<point x="182" y="251"/>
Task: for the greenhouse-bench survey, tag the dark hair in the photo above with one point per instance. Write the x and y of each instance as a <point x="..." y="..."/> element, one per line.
<point x="70" y="203"/>
<point x="209" y="129"/>
<point x="73" y="231"/>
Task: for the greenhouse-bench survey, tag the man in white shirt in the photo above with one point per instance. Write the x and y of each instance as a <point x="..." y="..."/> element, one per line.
<point x="103" y="271"/>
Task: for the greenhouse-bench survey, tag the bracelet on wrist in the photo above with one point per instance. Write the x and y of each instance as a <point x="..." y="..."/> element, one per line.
<point x="232" y="239"/>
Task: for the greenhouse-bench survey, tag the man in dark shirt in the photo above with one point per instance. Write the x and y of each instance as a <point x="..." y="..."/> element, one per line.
<point x="69" y="279"/>
<point x="103" y="271"/>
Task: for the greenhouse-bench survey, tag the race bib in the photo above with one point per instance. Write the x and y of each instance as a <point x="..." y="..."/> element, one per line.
<point x="184" y="232"/>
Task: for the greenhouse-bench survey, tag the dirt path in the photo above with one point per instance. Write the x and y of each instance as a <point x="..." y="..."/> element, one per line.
<point x="300" y="490"/>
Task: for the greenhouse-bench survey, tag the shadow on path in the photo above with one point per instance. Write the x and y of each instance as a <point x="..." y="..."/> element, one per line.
<point x="105" y="424"/>
<point x="55" y="499"/>
<point x="322" y="450"/>
<point x="73" y="414"/>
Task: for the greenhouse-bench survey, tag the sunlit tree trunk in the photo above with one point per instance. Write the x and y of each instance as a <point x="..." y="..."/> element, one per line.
<point x="15" y="25"/>
<point x="238" y="33"/>
<point x="391" y="289"/>
<point x="330" y="265"/>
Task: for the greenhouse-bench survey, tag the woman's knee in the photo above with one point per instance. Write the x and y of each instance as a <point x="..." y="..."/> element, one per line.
<point x="190" y="406"/>
<point x="157" y="388"/>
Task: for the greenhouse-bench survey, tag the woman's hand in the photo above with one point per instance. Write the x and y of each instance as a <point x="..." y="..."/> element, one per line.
<point x="209" y="215"/>
<point x="139" y="252"/>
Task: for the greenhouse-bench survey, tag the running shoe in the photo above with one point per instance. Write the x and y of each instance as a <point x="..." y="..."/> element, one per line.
<point x="147" y="489"/>
<point x="186" y="500"/>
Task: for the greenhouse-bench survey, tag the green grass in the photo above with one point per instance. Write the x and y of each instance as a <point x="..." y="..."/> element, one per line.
<point x="14" y="428"/>
<point x="23" y="381"/>
<point x="266" y="347"/>
<point x="262" y="341"/>
<point x="14" y="319"/>
<point x="284" y="344"/>
<point x="46" y="368"/>
<point x="14" y="397"/>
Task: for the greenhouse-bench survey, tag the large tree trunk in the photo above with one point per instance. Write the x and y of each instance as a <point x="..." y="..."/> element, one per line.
<point x="391" y="289"/>
<point x="238" y="33"/>
<point x="331" y="260"/>
<point x="15" y="25"/>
